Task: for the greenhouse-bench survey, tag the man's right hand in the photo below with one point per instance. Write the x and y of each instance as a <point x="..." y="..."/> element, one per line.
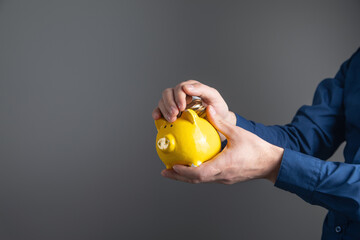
<point x="174" y="100"/>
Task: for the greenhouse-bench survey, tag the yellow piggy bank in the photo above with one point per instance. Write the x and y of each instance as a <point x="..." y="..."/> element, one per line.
<point x="190" y="140"/>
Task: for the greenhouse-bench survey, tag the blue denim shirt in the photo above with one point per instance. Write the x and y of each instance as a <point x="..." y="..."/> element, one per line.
<point x="312" y="137"/>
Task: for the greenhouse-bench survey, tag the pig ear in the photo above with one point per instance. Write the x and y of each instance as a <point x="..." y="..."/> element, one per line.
<point x="159" y="123"/>
<point x="189" y="115"/>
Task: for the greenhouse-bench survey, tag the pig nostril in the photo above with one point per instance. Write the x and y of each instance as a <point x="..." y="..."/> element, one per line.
<point x="163" y="143"/>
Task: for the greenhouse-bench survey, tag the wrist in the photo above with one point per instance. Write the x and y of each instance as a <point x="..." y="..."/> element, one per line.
<point x="275" y="158"/>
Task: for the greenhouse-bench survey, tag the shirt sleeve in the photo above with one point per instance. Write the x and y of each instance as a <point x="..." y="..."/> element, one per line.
<point x="333" y="185"/>
<point x="316" y="130"/>
<point x="314" y="134"/>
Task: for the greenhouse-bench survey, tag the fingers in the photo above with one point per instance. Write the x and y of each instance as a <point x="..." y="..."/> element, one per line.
<point x="208" y="94"/>
<point x="175" y="176"/>
<point x="169" y="104"/>
<point x="203" y="173"/>
<point x="156" y="114"/>
<point x="173" y="100"/>
<point x="163" y="110"/>
<point x="213" y="170"/>
<point x="181" y="98"/>
<point x="228" y="130"/>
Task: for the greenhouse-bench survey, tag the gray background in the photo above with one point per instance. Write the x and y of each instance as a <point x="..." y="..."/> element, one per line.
<point x="79" y="80"/>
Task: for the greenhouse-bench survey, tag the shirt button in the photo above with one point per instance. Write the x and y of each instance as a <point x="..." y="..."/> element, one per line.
<point x="337" y="229"/>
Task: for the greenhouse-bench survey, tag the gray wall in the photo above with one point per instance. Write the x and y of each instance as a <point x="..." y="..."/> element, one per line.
<point x="78" y="82"/>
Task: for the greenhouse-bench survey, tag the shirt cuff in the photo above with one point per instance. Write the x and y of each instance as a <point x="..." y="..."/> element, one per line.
<point x="223" y="144"/>
<point x="299" y="174"/>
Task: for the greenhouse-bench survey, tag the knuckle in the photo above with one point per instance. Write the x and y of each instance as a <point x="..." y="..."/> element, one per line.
<point x="228" y="182"/>
<point x="160" y="103"/>
<point x="195" y="181"/>
<point x="198" y="85"/>
<point x="214" y="91"/>
<point x="201" y="177"/>
<point x="225" y="182"/>
<point x="183" y="83"/>
<point x="156" y="110"/>
<point x="166" y="91"/>
<point x="227" y="179"/>
<point x="178" y="87"/>
<point x="190" y="81"/>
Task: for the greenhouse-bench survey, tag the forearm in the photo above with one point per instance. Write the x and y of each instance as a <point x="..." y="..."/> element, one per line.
<point x="302" y="135"/>
<point x="316" y="130"/>
<point x="333" y="185"/>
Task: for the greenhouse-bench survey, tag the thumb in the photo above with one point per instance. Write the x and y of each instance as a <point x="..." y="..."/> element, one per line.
<point x="222" y="126"/>
<point x="207" y="94"/>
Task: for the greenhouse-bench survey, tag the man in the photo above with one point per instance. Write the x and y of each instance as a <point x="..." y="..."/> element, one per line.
<point x="290" y="156"/>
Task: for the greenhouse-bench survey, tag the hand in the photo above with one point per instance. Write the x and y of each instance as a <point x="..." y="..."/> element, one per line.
<point x="245" y="157"/>
<point x="174" y="100"/>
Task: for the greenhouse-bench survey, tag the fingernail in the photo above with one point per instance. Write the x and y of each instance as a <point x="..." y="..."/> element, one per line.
<point x="172" y="110"/>
<point x="189" y="86"/>
<point x="155" y="116"/>
<point x="179" y="105"/>
<point x="172" y="119"/>
<point x="163" y="173"/>
<point x="168" y="117"/>
<point x="212" y="110"/>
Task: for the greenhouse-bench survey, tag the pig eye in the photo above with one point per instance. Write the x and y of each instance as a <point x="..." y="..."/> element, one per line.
<point x="165" y="126"/>
<point x="171" y="125"/>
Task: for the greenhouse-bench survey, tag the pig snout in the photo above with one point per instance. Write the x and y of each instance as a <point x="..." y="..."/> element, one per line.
<point x="166" y="143"/>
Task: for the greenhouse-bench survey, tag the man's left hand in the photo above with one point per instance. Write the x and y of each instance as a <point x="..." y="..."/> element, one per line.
<point x="245" y="157"/>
